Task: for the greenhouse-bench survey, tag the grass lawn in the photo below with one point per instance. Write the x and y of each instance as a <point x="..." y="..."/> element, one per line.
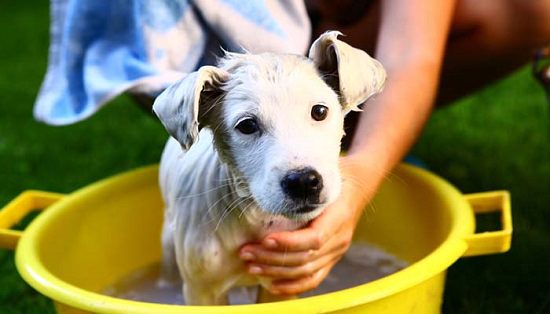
<point x="498" y="138"/>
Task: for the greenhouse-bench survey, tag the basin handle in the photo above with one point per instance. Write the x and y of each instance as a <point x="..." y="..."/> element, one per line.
<point x="19" y="207"/>
<point x="490" y="242"/>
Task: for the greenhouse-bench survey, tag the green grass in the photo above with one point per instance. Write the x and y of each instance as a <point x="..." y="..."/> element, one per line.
<point x="499" y="138"/>
<point x="496" y="139"/>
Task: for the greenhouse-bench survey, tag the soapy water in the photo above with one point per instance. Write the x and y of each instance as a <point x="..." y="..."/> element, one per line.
<point x="362" y="263"/>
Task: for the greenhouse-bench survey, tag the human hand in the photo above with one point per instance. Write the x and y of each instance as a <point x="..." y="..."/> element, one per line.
<point x="298" y="261"/>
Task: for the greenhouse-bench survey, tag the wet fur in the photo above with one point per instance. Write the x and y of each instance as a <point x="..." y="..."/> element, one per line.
<point x="221" y="188"/>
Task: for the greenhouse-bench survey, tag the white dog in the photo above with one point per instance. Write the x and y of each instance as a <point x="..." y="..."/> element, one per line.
<point x="265" y="159"/>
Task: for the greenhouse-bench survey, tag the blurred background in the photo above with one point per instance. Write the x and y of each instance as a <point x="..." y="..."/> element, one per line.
<point x="498" y="138"/>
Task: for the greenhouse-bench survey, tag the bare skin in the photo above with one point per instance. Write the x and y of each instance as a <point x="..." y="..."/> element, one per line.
<point x="430" y="50"/>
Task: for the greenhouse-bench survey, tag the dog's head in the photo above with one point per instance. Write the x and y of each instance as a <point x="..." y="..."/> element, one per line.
<point x="277" y="120"/>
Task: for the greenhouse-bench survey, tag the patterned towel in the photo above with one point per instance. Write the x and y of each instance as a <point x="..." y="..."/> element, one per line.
<point x="102" y="48"/>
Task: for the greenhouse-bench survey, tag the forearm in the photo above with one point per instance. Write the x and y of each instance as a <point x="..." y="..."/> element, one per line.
<point x="390" y="124"/>
<point x="411" y="45"/>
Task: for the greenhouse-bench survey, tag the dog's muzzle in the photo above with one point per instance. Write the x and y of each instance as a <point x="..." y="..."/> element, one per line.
<point x="303" y="186"/>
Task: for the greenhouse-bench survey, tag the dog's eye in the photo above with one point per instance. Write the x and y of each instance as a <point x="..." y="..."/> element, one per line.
<point x="319" y="112"/>
<point x="247" y="126"/>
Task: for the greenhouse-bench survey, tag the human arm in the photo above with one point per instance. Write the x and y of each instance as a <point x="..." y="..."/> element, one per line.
<point x="411" y="44"/>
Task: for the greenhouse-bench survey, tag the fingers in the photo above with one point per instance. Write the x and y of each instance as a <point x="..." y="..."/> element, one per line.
<point x="257" y="254"/>
<point x="298" y="265"/>
<point x="303" y="284"/>
<point x="290" y="264"/>
<point x="312" y="237"/>
<point x="254" y="253"/>
<point x="284" y="272"/>
<point x="293" y="241"/>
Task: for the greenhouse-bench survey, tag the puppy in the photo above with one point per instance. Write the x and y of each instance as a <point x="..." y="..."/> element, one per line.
<point x="254" y="149"/>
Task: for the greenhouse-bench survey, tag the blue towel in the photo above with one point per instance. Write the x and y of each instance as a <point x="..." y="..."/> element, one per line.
<point x="102" y="48"/>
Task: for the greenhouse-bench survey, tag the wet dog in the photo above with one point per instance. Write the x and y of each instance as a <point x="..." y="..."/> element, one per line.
<point x="254" y="149"/>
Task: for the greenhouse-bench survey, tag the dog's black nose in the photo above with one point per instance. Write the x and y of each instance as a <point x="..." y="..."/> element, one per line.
<point x="305" y="184"/>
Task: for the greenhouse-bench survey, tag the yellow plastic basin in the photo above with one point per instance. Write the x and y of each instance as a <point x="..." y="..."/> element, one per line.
<point x="91" y="238"/>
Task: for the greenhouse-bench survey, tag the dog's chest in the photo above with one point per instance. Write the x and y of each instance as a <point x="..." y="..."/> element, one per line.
<point x="211" y="221"/>
<point x="212" y="255"/>
<point x="211" y="251"/>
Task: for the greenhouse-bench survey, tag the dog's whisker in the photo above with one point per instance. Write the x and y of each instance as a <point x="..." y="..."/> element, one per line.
<point x="360" y="183"/>
<point x="392" y="175"/>
<point x="232" y="179"/>
<point x="203" y="192"/>
<point x="216" y="102"/>
<point x="230" y="209"/>
<point x="284" y="257"/>
<point x="367" y="190"/>
<point x="217" y="127"/>
<point x="372" y="206"/>
<point x="210" y="209"/>
<point x="329" y="75"/>
<point x="243" y="209"/>
<point x="215" y="205"/>
<point x="247" y="207"/>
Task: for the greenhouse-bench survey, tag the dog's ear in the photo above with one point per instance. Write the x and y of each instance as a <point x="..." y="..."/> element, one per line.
<point x="182" y="107"/>
<point x="351" y="72"/>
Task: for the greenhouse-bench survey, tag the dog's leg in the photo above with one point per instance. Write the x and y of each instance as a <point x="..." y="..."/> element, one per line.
<point x="264" y="296"/>
<point x="169" y="273"/>
<point x="198" y="294"/>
